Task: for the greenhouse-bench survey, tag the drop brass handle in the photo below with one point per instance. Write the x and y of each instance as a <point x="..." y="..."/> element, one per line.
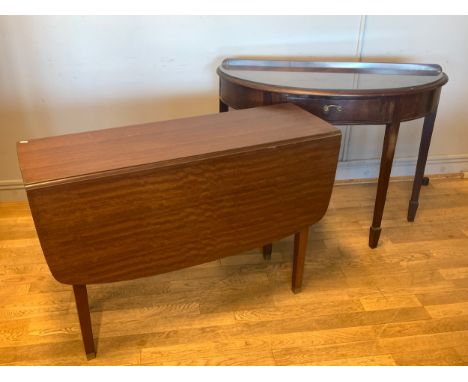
<point x="327" y="108"/>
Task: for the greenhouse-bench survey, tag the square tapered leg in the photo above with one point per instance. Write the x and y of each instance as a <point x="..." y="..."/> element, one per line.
<point x="300" y="247"/>
<point x="84" y="316"/>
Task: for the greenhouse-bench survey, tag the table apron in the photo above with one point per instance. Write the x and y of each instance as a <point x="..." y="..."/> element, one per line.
<point x="339" y="110"/>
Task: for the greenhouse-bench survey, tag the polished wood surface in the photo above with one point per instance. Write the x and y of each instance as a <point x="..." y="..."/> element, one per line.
<point x="107" y="228"/>
<point x="333" y="78"/>
<point x="346" y="110"/>
<point x="344" y="93"/>
<point x="125" y="212"/>
<point x="131" y="148"/>
<point x="405" y="302"/>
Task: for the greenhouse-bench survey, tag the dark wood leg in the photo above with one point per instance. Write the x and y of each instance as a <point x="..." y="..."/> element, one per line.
<point x="223" y="107"/>
<point x="388" y="151"/>
<point x="81" y="299"/>
<point x="419" y="178"/>
<point x="267" y="249"/>
<point x="300" y="246"/>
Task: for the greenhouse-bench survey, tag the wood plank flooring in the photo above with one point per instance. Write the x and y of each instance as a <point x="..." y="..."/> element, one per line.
<point x="404" y="303"/>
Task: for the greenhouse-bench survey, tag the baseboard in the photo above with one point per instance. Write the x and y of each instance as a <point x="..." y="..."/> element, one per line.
<point x="369" y="169"/>
<point x="349" y="170"/>
<point x="15" y="184"/>
<point x="11" y="190"/>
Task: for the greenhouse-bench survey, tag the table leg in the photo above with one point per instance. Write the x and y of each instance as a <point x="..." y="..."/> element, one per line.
<point x="223" y="107"/>
<point x="388" y="151"/>
<point x="419" y="178"/>
<point x="81" y="299"/>
<point x="300" y="246"/>
<point x="266" y="250"/>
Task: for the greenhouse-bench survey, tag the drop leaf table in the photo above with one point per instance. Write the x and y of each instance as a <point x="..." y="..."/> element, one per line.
<point x="137" y="201"/>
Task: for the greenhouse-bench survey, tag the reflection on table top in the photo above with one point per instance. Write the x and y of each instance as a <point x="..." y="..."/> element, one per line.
<point x="310" y="75"/>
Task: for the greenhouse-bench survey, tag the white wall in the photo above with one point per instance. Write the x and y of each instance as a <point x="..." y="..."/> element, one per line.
<point x="68" y="74"/>
<point x="441" y="40"/>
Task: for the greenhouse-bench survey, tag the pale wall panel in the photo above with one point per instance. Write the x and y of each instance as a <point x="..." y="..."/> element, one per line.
<point x="70" y="74"/>
<point x="434" y="39"/>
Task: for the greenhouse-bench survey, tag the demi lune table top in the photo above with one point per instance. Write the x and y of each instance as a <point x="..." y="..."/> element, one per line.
<point x="332" y="78"/>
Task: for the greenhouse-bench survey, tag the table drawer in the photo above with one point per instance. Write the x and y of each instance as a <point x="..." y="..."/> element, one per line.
<point x="345" y="111"/>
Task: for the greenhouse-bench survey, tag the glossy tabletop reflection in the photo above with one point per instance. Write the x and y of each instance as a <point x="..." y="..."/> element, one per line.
<point x="330" y="76"/>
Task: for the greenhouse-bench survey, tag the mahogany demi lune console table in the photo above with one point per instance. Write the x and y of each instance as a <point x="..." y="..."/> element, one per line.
<point x="137" y="201"/>
<point x="344" y="93"/>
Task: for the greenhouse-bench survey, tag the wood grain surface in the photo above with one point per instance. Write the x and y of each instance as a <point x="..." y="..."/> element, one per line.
<point x="149" y="221"/>
<point x="403" y="303"/>
<point x="131" y="148"/>
<point x="140" y="224"/>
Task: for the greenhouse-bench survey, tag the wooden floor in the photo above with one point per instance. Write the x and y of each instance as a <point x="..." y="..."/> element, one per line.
<point x="404" y="303"/>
